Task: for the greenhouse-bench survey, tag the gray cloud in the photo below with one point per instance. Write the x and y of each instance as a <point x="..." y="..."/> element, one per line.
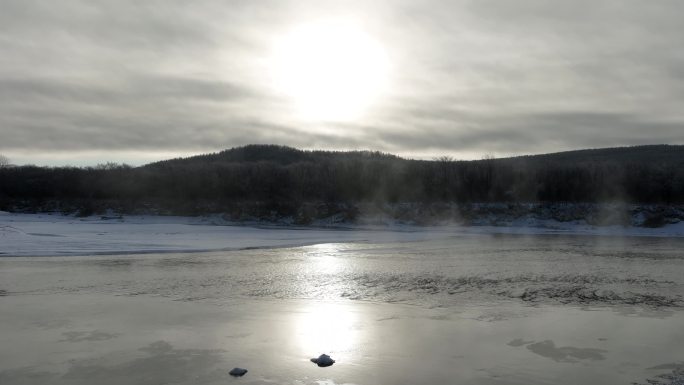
<point x="469" y="77"/>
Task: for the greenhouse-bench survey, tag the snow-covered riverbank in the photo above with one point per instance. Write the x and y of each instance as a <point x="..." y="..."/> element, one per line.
<point x="55" y="234"/>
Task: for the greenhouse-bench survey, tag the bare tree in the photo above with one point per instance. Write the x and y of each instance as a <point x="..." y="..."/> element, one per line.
<point x="4" y="161"/>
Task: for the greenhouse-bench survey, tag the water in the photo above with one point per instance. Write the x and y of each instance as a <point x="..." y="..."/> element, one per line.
<point x="577" y="270"/>
<point x="475" y="309"/>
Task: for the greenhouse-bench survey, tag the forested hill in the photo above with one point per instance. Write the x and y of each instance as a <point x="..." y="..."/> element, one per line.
<point x="283" y="179"/>
<point x="652" y="154"/>
<point x="280" y="155"/>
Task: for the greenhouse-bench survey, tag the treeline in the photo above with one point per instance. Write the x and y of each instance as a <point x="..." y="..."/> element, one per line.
<point x="283" y="178"/>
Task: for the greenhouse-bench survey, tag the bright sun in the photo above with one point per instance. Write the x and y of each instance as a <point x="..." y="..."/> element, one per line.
<point x="332" y="71"/>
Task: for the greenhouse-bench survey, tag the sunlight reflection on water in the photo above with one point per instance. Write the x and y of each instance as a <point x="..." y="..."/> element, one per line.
<point x="323" y="258"/>
<point x="327" y="328"/>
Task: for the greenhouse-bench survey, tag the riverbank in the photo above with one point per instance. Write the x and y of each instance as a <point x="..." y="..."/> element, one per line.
<point x="52" y="234"/>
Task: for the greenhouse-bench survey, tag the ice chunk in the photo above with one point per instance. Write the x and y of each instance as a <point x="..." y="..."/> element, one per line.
<point x="237" y="372"/>
<point x="323" y="360"/>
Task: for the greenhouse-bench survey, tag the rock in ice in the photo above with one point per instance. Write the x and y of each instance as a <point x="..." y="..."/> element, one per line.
<point x="323" y="360"/>
<point x="237" y="372"/>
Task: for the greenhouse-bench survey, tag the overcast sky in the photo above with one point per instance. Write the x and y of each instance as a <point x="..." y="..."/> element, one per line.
<point x="83" y="82"/>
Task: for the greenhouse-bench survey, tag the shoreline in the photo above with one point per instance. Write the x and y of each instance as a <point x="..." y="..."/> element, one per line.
<point x="49" y="234"/>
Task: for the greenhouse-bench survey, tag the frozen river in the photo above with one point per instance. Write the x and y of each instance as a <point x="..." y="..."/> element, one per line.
<point x="462" y="309"/>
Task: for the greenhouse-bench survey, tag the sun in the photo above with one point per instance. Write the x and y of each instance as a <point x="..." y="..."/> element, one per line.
<point x="330" y="71"/>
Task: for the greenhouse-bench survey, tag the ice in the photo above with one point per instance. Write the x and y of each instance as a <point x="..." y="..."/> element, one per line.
<point x="238" y="372"/>
<point x="55" y="234"/>
<point x="323" y="361"/>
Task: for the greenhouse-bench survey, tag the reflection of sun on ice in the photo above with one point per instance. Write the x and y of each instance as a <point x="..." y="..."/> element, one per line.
<point x="332" y="71"/>
<point x="323" y="258"/>
<point x="326" y="328"/>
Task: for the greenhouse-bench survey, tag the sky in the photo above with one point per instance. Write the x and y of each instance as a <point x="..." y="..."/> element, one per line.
<point x="85" y="82"/>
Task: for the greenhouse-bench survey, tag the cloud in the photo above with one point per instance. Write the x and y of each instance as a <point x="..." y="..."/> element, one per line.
<point x="469" y="77"/>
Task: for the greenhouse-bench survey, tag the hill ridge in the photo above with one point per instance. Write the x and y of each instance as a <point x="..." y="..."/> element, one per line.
<point x="287" y="155"/>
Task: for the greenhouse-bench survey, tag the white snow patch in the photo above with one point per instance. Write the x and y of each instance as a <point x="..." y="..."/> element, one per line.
<point x="53" y="235"/>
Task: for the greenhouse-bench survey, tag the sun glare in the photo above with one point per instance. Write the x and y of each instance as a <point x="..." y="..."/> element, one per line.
<point x="327" y="327"/>
<point x="331" y="71"/>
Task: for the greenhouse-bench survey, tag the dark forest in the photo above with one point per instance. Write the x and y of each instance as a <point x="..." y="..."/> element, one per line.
<point x="282" y="179"/>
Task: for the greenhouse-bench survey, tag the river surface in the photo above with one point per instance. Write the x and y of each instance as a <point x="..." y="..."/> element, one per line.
<point x="468" y="309"/>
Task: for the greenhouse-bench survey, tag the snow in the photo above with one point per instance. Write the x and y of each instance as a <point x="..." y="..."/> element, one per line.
<point x="55" y="234"/>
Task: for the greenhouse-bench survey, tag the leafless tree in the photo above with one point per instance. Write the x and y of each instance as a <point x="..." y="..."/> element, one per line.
<point x="4" y="161"/>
